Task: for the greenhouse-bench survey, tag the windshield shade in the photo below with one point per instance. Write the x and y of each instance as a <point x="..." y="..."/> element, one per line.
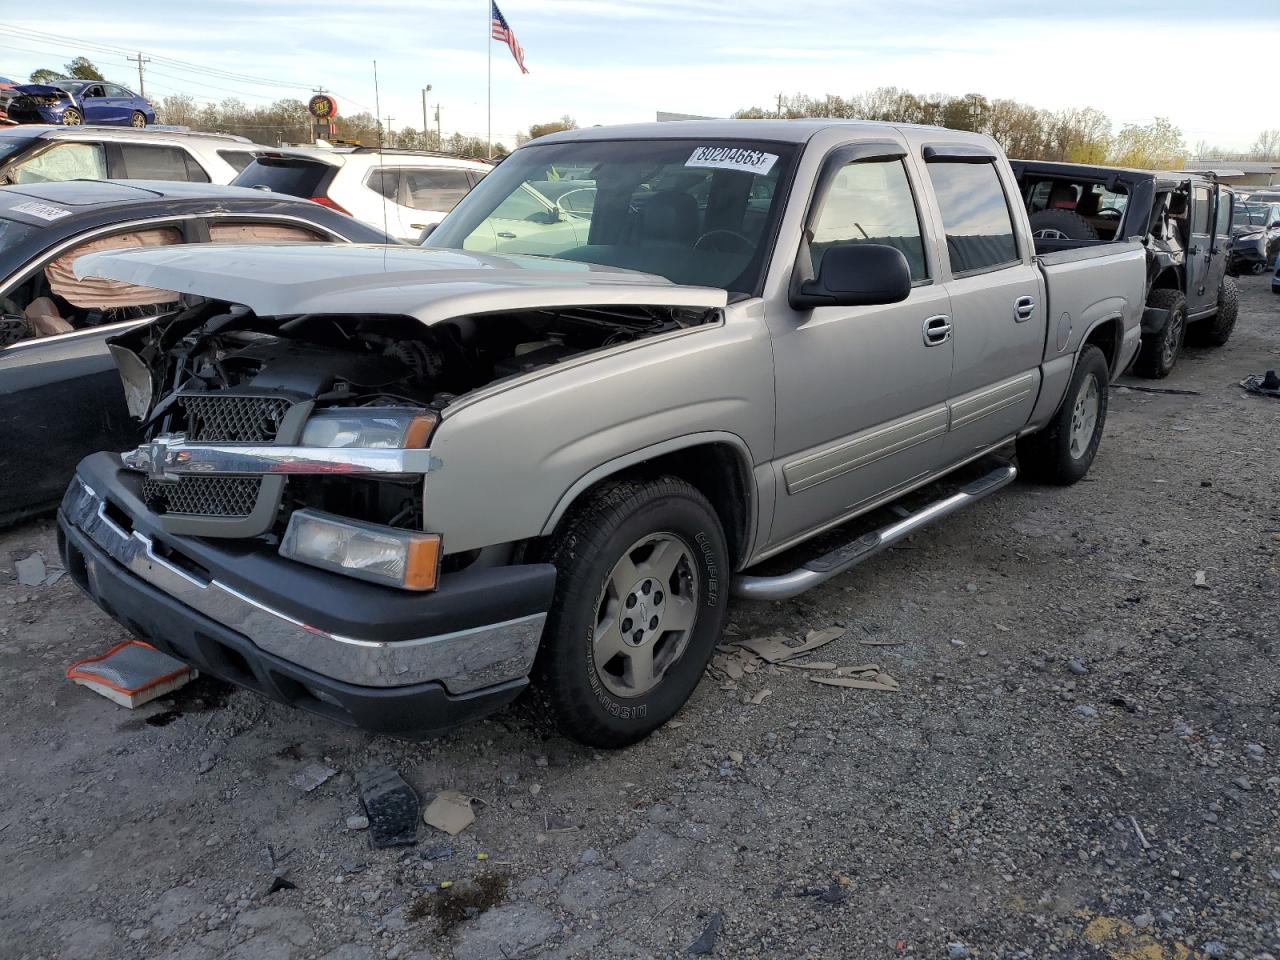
<point x="697" y="212"/>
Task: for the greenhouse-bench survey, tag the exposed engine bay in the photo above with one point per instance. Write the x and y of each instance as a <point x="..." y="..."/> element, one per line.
<point x="219" y="374"/>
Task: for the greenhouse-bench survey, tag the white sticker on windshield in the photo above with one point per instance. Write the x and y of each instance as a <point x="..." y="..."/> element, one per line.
<point x="733" y="158"/>
<point x="42" y="210"/>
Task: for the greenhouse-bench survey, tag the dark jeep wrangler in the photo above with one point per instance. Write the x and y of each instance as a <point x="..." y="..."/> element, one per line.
<point x="1184" y="220"/>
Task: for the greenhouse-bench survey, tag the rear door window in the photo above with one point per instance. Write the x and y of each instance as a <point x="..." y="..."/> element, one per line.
<point x="432" y="189"/>
<point x="148" y="162"/>
<point x="1224" y="214"/>
<point x="1200" y="215"/>
<point x="295" y="176"/>
<point x="65" y="161"/>
<point x="975" y="215"/>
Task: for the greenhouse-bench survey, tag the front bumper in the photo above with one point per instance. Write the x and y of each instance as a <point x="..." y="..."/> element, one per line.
<point x="314" y="639"/>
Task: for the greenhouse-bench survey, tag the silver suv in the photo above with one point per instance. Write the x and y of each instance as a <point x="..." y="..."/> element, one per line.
<point x="38" y="154"/>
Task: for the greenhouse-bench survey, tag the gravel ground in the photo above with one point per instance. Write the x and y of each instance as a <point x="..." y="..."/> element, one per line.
<point x="1081" y="760"/>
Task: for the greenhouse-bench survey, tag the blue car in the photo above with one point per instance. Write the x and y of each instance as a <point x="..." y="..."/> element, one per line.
<point x="73" y="102"/>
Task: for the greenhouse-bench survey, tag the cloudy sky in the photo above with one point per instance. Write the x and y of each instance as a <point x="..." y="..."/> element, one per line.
<point x="606" y="61"/>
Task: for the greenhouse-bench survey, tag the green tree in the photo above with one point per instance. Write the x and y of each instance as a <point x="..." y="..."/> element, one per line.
<point x="1151" y="146"/>
<point x="81" y="68"/>
<point x="537" y="130"/>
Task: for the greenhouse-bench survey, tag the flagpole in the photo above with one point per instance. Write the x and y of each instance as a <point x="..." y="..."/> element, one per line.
<point x="488" y="43"/>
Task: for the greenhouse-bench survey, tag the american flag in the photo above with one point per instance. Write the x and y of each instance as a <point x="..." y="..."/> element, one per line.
<point x="499" y="30"/>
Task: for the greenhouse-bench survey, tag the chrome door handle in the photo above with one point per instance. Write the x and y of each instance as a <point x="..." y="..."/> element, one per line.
<point x="937" y="330"/>
<point x="506" y="235"/>
<point x="1024" y="308"/>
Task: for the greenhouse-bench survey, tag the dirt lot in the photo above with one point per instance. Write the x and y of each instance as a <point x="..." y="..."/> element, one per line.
<point x="1081" y="760"/>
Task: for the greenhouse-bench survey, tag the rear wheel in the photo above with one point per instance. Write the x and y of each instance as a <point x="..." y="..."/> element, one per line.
<point x="1159" y="352"/>
<point x="71" y="117"/>
<point x="1216" y="331"/>
<point x="139" y="119"/>
<point x="1063" y="450"/>
<point x="639" y="607"/>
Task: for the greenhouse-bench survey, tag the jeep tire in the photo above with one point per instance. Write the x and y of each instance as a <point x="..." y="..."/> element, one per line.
<point x="1159" y="351"/>
<point x="640" y="603"/>
<point x="1216" y="331"/>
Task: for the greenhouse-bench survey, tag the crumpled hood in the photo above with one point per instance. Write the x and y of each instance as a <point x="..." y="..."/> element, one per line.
<point x="429" y="284"/>
<point x="40" y="90"/>
<point x="1246" y="230"/>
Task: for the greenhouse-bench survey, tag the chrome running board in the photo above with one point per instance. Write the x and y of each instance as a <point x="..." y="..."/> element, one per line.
<point x="820" y="570"/>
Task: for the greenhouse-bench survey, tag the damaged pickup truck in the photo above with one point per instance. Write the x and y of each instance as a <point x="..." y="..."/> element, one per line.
<point x="392" y="485"/>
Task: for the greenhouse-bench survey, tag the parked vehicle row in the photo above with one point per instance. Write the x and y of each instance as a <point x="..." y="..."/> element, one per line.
<point x="1255" y="237"/>
<point x="392" y="485"/>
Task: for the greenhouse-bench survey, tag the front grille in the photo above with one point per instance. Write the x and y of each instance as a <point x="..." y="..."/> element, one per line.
<point x="214" y="418"/>
<point x="203" y="496"/>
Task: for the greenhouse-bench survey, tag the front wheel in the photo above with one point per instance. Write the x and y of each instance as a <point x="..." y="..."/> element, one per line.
<point x="1063" y="450"/>
<point x="138" y="120"/>
<point x="640" y="603"/>
<point x="71" y="117"/>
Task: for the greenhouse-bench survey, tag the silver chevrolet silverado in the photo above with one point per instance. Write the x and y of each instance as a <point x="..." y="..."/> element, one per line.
<point x="637" y="370"/>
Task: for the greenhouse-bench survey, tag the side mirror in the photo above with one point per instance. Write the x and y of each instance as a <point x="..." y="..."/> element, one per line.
<point x="426" y="232"/>
<point x="855" y="275"/>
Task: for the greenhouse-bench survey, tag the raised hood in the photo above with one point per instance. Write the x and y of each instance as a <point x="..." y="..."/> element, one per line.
<point x="40" y="90"/>
<point x="429" y="284"/>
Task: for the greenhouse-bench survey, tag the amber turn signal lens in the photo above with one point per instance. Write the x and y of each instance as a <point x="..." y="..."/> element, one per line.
<point x="422" y="566"/>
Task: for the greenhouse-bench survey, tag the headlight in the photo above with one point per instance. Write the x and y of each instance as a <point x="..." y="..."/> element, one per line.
<point x="395" y="428"/>
<point x="366" y="551"/>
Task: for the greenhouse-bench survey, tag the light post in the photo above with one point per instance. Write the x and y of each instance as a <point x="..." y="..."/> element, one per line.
<point x="425" y="91"/>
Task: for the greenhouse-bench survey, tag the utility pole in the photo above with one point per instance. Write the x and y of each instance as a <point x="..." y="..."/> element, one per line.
<point x="388" y="127"/>
<point x="439" y="135"/>
<point x="140" y="60"/>
<point x="425" y="91"/>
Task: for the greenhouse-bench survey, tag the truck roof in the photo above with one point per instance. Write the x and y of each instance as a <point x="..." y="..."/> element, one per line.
<point x="782" y="131"/>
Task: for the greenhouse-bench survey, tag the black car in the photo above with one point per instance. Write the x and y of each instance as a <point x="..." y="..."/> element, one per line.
<point x="1255" y="237"/>
<point x="60" y="396"/>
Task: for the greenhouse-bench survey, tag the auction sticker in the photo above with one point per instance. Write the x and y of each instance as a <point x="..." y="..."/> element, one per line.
<point x="42" y="210"/>
<point x="733" y="158"/>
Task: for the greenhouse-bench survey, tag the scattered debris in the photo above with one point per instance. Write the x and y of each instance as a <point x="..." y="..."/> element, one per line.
<point x="1201" y="580"/>
<point x="1164" y="390"/>
<point x="280" y="883"/>
<point x="816" y="665"/>
<point x="705" y="945"/>
<point x="1146" y="844"/>
<point x="357" y="822"/>
<point x="131" y="673"/>
<point x="452" y="904"/>
<point x="778" y="649"/>
<point x="438" y="851"/>
<point x="1267" y="384"/>
<point x="759" y="697"/>
<point x="450" y="811"/>
<point x="31" y="570"/>
<point x="311" y="776"/>
<point x="881" y="681"/>
<point x="736" y="758"/>
<point x="391" y="806"/>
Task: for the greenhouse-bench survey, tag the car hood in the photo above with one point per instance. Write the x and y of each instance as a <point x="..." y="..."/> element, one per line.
<point x="1248" y="231"/>
<point x="40" y="89"/>
<point x="430" y="284"/>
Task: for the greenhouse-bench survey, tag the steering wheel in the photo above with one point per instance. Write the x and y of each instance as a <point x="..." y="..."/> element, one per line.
<point x="738" y="243"/>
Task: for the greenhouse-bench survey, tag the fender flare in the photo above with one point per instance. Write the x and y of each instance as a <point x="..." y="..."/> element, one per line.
<point x="611" y="467"/>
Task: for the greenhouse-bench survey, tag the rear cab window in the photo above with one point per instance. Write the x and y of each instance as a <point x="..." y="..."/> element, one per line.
<point x="975" y="216"/>
<point x="296" y="176"/>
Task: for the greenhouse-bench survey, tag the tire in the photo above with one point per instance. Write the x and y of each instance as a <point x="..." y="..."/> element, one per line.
<point x="138" y="120"/>
<point x="1216" y="331"/>
<point x="617" y="702"/>
<point x="71" y="117"/>
<point x="1061" y="225"/>
<point x="1062" y="451"/>
<point x="1159" y="352"/>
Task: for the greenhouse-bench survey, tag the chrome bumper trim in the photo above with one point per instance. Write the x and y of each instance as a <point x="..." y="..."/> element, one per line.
<point x="463" y="661"/>
<point x="170" y="456"/>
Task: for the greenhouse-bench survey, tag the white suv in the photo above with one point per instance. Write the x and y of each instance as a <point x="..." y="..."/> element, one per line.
<point x="405" y="191"/>
<point x="32" y="153"/>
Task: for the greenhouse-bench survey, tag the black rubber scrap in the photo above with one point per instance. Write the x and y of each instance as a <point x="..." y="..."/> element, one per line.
<point x="392" y="806"/>
<point x="705" y="945"/>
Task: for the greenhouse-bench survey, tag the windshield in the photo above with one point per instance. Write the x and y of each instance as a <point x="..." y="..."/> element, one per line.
<point x="1249" y="215"/>
<point x="695" y="212"/>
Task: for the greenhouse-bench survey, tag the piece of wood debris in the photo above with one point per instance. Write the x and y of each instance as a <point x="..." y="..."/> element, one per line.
<point x="777" y="649"/>
<point x="867" y="642"/>
<point x="860" y="668"/>
<point x="760" y="697"/>
<point x="819" y="665"/>
<point x="855" y="683"/>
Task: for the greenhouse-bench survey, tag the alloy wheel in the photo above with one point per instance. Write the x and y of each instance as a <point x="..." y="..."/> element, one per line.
<point x="1084" y="417"/>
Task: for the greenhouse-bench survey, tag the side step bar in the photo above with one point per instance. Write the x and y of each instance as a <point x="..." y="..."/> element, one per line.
<point x="824" y="568"/>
